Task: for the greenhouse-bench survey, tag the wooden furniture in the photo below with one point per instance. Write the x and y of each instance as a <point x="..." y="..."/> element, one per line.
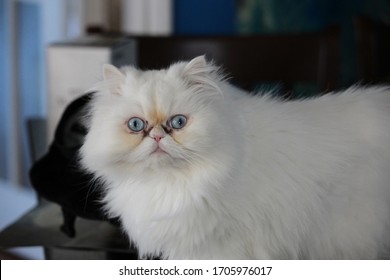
<point x="252" y="60"/>
<point x="373" y="47"/>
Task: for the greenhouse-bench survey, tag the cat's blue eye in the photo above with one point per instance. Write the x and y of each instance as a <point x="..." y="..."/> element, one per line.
<point x="136" y="124"/>
<point x="178" y="121"/>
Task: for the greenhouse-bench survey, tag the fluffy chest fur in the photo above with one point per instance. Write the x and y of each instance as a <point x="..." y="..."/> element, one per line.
<point x="174" y="216"/>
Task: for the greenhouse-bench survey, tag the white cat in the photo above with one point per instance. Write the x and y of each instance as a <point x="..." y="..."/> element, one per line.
<point x="198" y="169"/>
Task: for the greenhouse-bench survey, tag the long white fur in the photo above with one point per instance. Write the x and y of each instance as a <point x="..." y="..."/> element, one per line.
<point x="253" y="177"/>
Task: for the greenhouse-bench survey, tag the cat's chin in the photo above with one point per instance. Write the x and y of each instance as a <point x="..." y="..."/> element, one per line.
<point x="160" y="162"/>
<point x="159" y="157"/>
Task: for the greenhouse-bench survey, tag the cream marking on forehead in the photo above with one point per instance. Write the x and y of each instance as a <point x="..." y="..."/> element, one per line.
<point x="160" y="102"/>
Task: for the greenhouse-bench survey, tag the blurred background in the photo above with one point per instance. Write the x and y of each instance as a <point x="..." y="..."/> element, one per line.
<point x="29" y="27"/>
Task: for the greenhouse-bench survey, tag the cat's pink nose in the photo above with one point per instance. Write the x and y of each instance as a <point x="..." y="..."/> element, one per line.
<point x="157" y="133"/>
<point x="157" y="138"/>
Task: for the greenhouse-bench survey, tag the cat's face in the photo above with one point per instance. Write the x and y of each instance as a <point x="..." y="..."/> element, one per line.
<point x="154" y="119"/>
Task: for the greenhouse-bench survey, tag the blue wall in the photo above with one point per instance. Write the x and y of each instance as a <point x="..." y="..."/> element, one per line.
<point x="29" y="59"/>
<point x="4" y="89"/>
<point x="29" y="74"/>
<point x="206" y="17"/>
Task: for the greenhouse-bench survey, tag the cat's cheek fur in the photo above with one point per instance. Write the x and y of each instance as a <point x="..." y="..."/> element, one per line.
<point x="107" y="146"/>
<point x="129" y="141"/>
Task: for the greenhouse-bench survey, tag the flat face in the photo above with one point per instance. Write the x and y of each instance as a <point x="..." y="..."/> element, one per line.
<point x="153" y="118"/>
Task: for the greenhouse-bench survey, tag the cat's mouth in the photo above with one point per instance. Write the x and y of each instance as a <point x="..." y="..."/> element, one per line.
<point x="159" y="151"/>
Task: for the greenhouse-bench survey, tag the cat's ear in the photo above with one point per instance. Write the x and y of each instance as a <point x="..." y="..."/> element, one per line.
<point x="113" y="78"/>
<point x="110" y="72"/>
<point x="197" y="66"/>
<point x="200" y="74"/>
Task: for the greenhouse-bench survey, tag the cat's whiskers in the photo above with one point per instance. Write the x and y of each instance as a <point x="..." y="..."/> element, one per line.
<point x="92" y="186"/>
<point x="192" y="157"/>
